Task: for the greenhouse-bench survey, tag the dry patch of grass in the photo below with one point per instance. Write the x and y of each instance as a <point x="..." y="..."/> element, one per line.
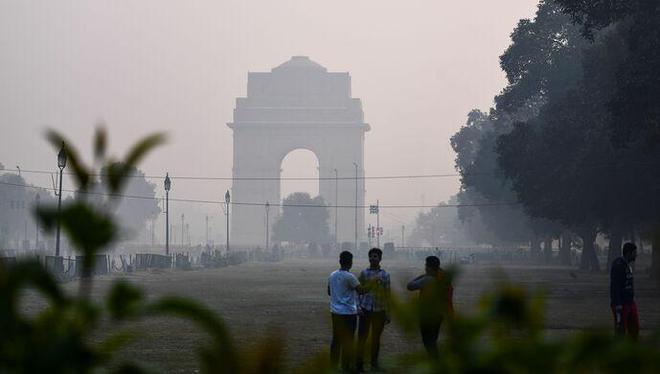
<point x="290" y="298"/>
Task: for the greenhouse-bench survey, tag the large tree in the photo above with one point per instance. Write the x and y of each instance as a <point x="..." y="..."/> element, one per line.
<point x="581" y="161"/>
<point x="439" y="225"/>
<point x="304" y="220"/>
<point x="539" y="64"/>
<point x="17" y="201"/>
<point x="134" y="207"/>
<point x="634" y="113"/>
<point x="480" y="185"/>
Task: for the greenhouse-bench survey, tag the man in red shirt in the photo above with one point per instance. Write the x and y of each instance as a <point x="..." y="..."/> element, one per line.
<point x="435" y="302"/>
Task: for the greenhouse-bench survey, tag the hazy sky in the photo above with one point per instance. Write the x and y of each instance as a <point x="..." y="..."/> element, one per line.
<point x="177" y="66"/>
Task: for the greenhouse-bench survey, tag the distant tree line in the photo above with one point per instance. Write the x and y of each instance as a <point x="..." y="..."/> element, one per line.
<point x="18" y="200"/>
<point x="573" y="137"/>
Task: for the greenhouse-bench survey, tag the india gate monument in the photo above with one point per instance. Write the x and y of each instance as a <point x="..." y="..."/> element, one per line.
<point x="297" y="105"/>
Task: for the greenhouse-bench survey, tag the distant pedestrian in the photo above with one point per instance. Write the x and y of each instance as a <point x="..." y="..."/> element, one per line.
<point x="374" y="307"/>
<point x="342" y="289"/>
<point x="622" y="293"/>
<point x="435" y="302"/>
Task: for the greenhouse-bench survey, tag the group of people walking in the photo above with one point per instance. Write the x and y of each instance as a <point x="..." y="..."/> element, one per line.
<point x="363" y="303"/>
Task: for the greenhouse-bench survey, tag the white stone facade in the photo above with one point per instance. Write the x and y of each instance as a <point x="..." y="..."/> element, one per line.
<point x="298" y="105"/>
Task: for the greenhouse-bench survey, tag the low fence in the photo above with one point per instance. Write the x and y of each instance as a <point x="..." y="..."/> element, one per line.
<point x="145" y="261"/>
<point x="69" y="268"/>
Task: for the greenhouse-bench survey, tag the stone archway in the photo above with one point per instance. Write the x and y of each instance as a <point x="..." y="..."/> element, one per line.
<point x="299" y="104"/>
<point x="298" y="163"/>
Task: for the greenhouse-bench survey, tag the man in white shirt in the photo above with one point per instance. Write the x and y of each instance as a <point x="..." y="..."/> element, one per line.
<point x="342" y="289"/>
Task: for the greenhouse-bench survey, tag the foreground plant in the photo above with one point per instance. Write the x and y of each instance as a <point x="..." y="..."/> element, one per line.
<point x="62" y="337"/>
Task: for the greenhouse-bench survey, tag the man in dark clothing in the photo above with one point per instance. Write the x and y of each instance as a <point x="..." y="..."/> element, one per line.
<point x="435" y="301"/>
<point x="622" y="293"/>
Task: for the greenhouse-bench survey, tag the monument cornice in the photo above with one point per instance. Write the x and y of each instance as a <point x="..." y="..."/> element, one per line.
<point x="299" y="124"/>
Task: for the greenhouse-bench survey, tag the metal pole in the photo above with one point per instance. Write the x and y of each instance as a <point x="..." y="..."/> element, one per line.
<point x="182" y="228"/>
<point x="369" y="235"/>
<point x="207" y="230"/>
<point x="167" y="223"/>
<point x="267" y="226"/>
<point x="356" y="206"/>
<point x="336" y="207"/>
<point x="227" y="227"/>
<point x="59" y="210"/>
<point x="378" y="224"/>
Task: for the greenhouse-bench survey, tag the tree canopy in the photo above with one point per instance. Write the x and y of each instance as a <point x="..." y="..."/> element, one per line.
<point x="303" y="220"/>
<point x="17" y="200"/>
<point x="134" y="213"/>
<point x="574" y="135"/>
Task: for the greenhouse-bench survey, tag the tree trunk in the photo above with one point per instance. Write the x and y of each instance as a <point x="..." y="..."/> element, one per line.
<point x="565" y="248"/>
<point x="616" y="239"/>
<point x="589" y="260"/>
<point x="535" y="247"/>
<point x="655" y="253"/>
<point x="547" y="250"/>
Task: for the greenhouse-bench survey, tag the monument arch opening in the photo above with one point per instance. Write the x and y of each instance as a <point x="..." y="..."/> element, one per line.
<point x="297" y="105"/>
<point x="299" y="172"/>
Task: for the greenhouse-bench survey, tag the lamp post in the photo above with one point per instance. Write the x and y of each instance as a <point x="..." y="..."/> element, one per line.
<point x="227" y="201"/>
<point x="183" y="226"/>
<point x="336" y="206"/>
<point x="168" y="185"/>
<point x="61" y="163"/>
<point x="378" y="223"/>
<point x="267" y="227"/>
<point x="356" y="205"/>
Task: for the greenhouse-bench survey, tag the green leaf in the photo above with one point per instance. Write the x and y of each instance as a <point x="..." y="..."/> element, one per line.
<point x="100" y="142"/>
<point x="87" y="229"/>
<point x="141" y="148"/>
<point x="80" y="172"/>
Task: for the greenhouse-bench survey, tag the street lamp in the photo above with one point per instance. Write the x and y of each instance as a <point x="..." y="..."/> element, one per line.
<point x="356" y="205"/>
<point x="227" y="200"/>
<point x="168" y="186"/>
<point x="182" y="228"/>
<point x="336" y="207"/>
<point x="61" y="163"/>
<point x="267" y="228"/>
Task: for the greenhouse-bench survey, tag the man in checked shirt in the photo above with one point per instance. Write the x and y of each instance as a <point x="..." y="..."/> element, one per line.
<point x="373" y="308"/>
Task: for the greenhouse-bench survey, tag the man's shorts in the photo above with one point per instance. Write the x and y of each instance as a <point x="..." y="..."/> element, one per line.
<point x="630" y="320"/>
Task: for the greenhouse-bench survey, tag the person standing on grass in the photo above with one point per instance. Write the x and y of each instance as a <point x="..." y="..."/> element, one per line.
<point x="435" y="302"/>
<point x="622" y="293"/>
<point x="342" y="289"/>
<point x="373" y="308"/>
